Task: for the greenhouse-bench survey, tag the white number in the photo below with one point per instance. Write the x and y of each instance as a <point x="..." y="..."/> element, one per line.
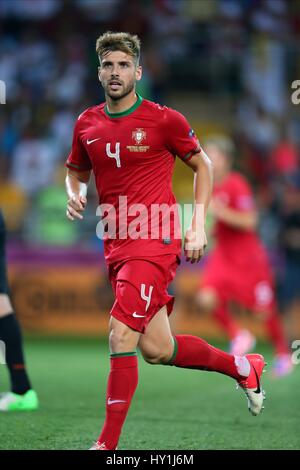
<point x="144" y="296"/>
<point x="2" y="353"/>
<point x="296" y="354"/>
<point x="115" y="155"/>
<point x="296" y="95"/>
<point x="2" y="92"/>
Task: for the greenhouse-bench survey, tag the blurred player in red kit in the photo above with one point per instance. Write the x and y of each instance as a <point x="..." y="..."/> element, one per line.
<point x="130" y="144"/>
<point x="237" y="269"/>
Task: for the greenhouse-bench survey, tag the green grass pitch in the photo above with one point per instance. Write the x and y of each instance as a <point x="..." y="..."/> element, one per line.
<point x="172" y="409"/>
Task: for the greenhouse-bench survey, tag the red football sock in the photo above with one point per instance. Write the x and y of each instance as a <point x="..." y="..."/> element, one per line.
<point x="122" y="382"/>
<point x="275" y="330"/>
<point x="195" y="353"/>
<point x="224" y="318"/>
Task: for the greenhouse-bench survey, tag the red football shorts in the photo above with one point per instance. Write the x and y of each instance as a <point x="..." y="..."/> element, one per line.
<point x="140" y="287"/>
<point x="245" y="279"/>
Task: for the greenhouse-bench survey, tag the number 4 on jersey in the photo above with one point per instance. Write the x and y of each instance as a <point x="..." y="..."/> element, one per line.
<point x="145" y="297"/>
<point x="115" y="154"/>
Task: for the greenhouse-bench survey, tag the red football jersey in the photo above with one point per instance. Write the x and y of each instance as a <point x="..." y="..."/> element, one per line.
<point x="132" y="154"/>
<point x="235" y="193"/>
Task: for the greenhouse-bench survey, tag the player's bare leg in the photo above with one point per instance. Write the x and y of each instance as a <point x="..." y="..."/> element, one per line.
<point x="122" y="338"/>
<point x="187" y="351"/>
<point x="241" y="340"/>
<point x="122" y="382"/>
<point x="282" y="364"/>
<point x="21" y="397"/>
<point x="5" y="305"/>
<point x="157" y="344"/>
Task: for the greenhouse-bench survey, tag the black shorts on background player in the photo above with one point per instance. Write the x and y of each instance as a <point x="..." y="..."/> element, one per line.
<point x="21" y="397"/>
<point x="3" y="273"/>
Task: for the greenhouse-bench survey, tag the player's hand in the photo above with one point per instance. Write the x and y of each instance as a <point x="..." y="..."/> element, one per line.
<point x="75" y="205"/>
<point x="194" y="245"/>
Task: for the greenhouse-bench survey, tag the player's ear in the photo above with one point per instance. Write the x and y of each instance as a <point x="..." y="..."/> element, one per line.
<point x="99" y="70"/>
<point x="138" y="73"/>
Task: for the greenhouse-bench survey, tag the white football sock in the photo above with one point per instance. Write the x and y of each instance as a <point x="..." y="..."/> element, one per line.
<point x="242" y="365"/>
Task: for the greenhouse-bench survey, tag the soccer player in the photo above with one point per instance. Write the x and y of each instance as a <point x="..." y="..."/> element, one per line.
<point x="237" y="268"/>
<point x="21" y="397"/>
<point x="130" y="144"/>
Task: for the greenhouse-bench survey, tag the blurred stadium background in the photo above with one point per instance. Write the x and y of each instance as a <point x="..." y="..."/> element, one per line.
<point x="228" y="65"/>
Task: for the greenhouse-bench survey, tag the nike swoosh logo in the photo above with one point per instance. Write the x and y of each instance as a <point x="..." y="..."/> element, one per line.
<point x="138" y="316"/>
<point x="91" y="141"/>
<point x="111" y="402"/>
<point x="258" y="386"/>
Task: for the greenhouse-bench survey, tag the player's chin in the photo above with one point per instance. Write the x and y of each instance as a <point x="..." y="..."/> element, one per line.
<point x="115" y="94"/>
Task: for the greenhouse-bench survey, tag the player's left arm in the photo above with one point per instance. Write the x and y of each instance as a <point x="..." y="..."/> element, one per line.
<point x="182" y="141"/>
<point x="195" y="237"/>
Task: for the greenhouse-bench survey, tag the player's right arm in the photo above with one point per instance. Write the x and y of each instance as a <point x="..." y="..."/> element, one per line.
<point x="76" y="187"/>
<point x="78" y="172"/>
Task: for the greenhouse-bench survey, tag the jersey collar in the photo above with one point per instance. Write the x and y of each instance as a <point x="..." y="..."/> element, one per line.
<point x="128" y="111"/>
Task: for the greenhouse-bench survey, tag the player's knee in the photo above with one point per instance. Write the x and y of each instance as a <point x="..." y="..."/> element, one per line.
<point x="119" y="340"/>
<point x="207" y="300"/>
<point x="122" y="338"/>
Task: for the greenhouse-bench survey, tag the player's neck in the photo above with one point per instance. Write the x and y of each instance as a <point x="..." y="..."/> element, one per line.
<point x="122" y="105"/>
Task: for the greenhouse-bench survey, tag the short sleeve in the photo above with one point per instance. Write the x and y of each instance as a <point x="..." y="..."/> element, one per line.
<point x="243" y="197"/>
<point x="78" y="158"/>
<point x="181" y="139"/>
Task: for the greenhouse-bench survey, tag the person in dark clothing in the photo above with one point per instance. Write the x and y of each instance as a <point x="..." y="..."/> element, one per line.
<point x="21" y="397"/>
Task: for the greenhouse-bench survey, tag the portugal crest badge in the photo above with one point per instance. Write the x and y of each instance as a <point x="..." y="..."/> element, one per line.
<point x="139" y="135"/>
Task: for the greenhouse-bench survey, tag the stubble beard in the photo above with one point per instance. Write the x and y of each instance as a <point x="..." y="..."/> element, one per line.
<point x="118" y="97"/>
